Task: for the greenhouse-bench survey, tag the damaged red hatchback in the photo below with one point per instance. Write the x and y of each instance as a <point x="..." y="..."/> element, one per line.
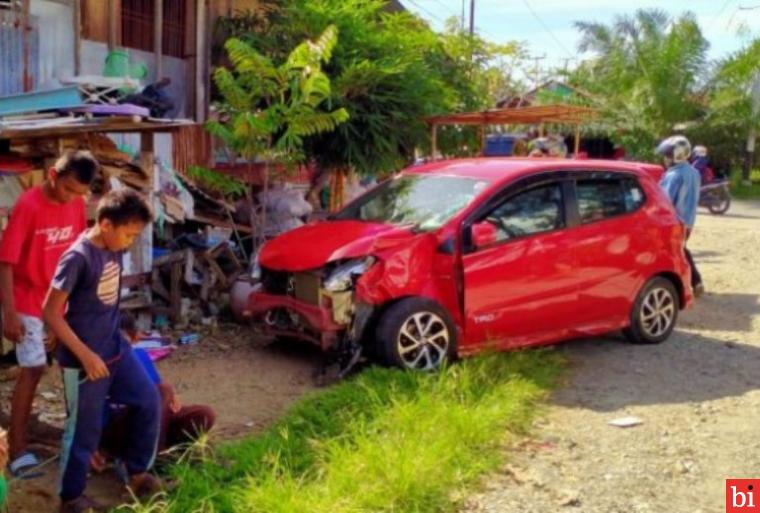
<point x="453" y="257"/>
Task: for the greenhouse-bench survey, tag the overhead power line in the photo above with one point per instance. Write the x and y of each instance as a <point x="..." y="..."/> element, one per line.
<point x="426" y="11"/>
<point x="718" y="15"/>
<point x="547" y="29"/>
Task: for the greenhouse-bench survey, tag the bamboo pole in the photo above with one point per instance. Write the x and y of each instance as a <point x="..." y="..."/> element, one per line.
<point x="158" y="37"/>
<point x="577" y="139"/>
<point x="434" y="142"/>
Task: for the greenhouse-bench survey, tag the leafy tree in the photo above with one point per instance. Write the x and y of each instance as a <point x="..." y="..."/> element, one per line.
<point x="267" y="111"/>
<point x="389" y="71"/>
<point x="646" y="71"/>
<point x="729" y="118"/>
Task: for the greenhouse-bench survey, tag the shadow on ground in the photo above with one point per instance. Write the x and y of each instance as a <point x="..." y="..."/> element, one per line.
<point x="609" y="374"/>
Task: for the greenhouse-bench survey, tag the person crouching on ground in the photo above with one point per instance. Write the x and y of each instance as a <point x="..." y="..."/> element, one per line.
<point x="44" y="222"/>
<point x="681" y="183"/>
<point x="97" y="362"/>
<point x="179" y="424"/>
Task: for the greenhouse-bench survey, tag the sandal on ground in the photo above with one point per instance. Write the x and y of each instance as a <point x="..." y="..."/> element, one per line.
<point x="25" y="466"/>
<point x="82" y="504"/>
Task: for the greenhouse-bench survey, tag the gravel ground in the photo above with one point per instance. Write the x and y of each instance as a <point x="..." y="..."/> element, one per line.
<point x="697" y="396"/>
<point x="249" y="385"/>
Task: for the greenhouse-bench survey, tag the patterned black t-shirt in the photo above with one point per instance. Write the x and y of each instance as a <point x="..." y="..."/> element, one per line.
<point x="92" y="278"/>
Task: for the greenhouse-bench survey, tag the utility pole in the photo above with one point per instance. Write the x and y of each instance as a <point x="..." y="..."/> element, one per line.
<point x="749" y="160"/>
<point x="464" y="2"/>
<point x="537" y="70"/>
<point x="567" y="61"/>
<point x="472" y="18"/>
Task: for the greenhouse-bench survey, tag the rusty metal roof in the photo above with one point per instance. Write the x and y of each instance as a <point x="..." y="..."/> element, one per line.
<point x="571" y="114"/>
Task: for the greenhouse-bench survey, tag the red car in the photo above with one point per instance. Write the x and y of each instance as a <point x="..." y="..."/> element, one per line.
<point x="454" y="257"/>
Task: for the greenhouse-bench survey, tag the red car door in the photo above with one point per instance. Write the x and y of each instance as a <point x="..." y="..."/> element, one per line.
<point x="610" y="246"/>
<point x="519" y="287"/>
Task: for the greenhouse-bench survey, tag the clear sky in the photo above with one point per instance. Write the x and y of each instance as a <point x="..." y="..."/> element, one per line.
<point x="547" y="25"/>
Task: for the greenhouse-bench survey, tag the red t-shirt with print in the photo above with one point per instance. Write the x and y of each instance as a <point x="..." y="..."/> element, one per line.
<point x="38" y="233"/>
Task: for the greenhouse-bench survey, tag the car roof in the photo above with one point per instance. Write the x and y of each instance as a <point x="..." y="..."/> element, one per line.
<point x="505" y="169"/>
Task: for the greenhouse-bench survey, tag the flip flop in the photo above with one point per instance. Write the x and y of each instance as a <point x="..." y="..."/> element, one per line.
<point x="25" y="467"/>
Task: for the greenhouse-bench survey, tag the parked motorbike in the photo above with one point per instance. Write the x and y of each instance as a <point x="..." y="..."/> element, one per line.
<point x="715" y="196"/>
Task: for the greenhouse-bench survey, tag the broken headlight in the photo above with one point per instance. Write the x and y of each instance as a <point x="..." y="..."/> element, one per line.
<point x="341" y="278"/>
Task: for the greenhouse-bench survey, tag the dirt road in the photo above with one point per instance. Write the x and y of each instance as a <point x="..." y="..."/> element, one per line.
<point x="697" y="395"/>
<point x="248" y="384"/>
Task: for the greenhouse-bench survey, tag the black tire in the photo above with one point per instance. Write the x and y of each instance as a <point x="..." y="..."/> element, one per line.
<point x="650" y="323"/>
<point x="396" y="346"/>
<point x="720" y="207"/>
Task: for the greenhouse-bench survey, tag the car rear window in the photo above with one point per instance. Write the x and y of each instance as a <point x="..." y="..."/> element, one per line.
<point x="602" y="198"/>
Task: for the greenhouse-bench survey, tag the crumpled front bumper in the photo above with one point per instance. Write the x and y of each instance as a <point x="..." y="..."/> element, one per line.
<point x="316" y="322"/>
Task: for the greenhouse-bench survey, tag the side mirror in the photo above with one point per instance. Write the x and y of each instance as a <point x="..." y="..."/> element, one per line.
<point x="483" y="234"/>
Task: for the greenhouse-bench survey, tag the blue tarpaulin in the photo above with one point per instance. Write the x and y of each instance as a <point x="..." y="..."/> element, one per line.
<point x="63" y="98"/>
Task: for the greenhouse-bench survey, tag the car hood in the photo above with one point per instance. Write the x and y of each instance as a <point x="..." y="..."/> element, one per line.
<point x="314" y="245"/>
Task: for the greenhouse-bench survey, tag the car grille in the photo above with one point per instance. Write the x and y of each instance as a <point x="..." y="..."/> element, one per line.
<point x="304" y="286"/>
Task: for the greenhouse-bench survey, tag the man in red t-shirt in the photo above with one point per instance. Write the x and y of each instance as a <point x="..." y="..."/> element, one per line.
<point x="44" y="222"/>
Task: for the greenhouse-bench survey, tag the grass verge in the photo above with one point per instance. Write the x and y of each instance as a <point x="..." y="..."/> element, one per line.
<point x="385" y="441"/>
<point x="741" y="190"/>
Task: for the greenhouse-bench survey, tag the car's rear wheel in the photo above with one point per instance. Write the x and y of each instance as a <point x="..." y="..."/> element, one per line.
<point x="654" y="313"/>
<point x="415" y="334"/>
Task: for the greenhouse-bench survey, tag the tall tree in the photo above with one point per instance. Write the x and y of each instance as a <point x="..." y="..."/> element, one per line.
<point x="645" y="70"/>
<point x="267" y="110"/>
<point x="730" y="118"/>
<point x="389" y="71"/>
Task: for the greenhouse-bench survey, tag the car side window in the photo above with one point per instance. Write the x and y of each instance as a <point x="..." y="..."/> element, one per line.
<point x="533" y="211"/>
<point x="602" y="198"/>
<point x="633" y="194"/>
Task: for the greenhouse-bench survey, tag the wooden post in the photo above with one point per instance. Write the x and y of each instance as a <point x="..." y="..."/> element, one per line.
<point x="114" y="16"/>
<point x="26" y="29"/>
<point x="147" y="163"/>
<point x="158" y="36"/>
<point x="541" y="130"/>
<point x="201" y="73"/>
<point x="77" y="37"/>
<point x="434" y="142"/>
<point x="482" y="140"/>
<point x="577" y="139"/>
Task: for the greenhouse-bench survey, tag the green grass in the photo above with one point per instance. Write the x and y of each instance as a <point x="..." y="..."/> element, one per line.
<point x="740" y="190"/>
<point x="384" y="441"/>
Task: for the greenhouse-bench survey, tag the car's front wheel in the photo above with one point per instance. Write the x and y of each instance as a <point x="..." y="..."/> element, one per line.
<point x="415" y="334"/>
<point x="654" y="313"/>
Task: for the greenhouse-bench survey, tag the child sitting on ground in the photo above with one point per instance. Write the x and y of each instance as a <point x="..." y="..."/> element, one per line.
<point x="179" y="424"/>
<point x="97" y="362"/>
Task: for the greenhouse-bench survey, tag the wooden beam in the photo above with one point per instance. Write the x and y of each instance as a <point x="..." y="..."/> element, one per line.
<point x="202" y="57"/>
<point x="434" y="142"/>
<point x="114" y="17"/>
<point x="577" y="139"/>
<point x="26" y="30"/>
<point x="77" y="37"/>
<point x="158" y="36"/>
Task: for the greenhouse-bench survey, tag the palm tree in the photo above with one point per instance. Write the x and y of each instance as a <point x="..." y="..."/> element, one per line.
<point x="646" y="69"/>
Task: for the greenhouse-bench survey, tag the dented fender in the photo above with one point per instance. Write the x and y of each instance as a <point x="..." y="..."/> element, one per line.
<point x="417" y="269"/>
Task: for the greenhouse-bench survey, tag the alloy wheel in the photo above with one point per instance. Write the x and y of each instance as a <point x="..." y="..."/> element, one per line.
<point x="658" y="312"/>
<point x="423" y="341"/>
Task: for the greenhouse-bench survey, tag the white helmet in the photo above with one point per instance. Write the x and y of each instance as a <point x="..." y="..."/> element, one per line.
<point x="700" y="151"/>
<point x="677" y="148"/>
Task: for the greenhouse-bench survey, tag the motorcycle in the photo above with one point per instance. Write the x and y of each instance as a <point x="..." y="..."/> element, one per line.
<point x="715" y="196"/>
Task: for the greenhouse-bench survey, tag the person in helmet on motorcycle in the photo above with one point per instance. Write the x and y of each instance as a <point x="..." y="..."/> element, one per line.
<point x="681" y="183"/>
<point x="701" y="163"/>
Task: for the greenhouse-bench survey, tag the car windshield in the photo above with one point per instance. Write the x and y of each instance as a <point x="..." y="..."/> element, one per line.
<point x="425" y="202"/>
